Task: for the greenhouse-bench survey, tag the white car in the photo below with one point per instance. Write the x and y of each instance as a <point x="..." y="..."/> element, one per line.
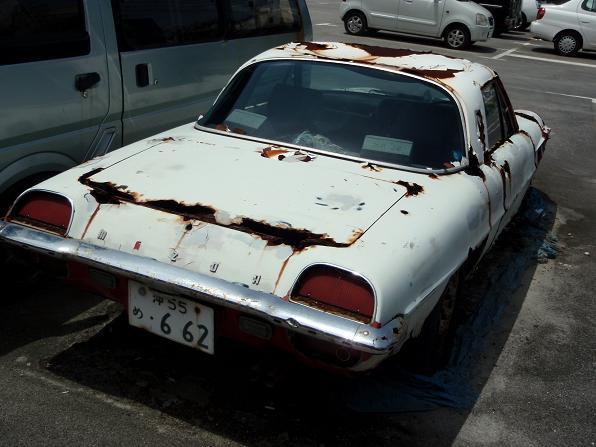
<point x="459" y="23"/>
<point x="328" y="204"/>
<point x="571" y="26"/>
<point x="529" y="12"/>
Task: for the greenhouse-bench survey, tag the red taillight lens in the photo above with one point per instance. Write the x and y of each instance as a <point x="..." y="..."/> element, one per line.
<point x="540" y="14"/>
<point x="43" y="210"/>
<point x="335" y="291"/>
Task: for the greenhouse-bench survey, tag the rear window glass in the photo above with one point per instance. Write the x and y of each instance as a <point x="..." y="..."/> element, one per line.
<point x="259" y="17"/>
<point x="145" y="24"/>
<point x="34" y="30"/>
<point x="345" y="109"/>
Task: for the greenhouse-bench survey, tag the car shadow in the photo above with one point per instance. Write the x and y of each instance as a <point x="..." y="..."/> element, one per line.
<point x="261" y="397"/>
<point x="35" y="306"/>
<point x="380" y="36"/>
<point x="587" y="56"/>
<point x="520" y="36"/>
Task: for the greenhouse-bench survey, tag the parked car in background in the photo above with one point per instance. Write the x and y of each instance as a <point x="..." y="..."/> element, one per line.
<point x="529" y="12"/>
<point x="505" y="12"/>
<point x="81" y="78"/>
<point x="329" y="204"/>
<point x="571" y="26"/>
<point x="459" y="23"/>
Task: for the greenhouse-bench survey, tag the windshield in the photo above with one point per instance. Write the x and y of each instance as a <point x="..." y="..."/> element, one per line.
<point x="344" y="109"/>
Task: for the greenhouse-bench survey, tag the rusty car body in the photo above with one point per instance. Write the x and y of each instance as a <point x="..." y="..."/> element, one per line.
<point x="334" y="233"/>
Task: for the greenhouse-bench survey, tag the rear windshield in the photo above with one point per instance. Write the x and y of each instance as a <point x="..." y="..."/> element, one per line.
<point x="344" y="109"/>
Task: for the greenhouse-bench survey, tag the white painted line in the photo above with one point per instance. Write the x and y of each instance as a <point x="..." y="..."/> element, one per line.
<point x="573" y="96"/>
<point x="504" y="53"/>
<point x="325" y="24"/>
<point x="556" y="61"/>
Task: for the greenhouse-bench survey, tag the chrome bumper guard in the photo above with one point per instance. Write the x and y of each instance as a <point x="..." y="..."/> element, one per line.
<point x="169" y="278"/>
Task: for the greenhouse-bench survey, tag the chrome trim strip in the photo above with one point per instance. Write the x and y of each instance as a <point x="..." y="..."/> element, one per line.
<point x="168" y="278"/>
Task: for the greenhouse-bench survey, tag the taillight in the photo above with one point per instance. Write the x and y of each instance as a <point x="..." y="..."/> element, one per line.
<point x="335" y="291"/>
<point x="43" y="210"/>
<point x="540" y="13"/>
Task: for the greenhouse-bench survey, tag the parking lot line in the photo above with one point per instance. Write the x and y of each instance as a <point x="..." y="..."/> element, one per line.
<point x="573" y="96"/>
<point x="325" y="24"/>
<point x="579" y="64"/>
<point x="504" y="53"/>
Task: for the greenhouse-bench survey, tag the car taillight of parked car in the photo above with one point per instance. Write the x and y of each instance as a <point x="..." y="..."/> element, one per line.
<point x="42" y="210"/>
<point x="540" y="13"/>
<point x="335" y="291"/>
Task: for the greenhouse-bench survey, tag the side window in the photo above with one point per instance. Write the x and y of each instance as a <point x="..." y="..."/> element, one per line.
<point x="142" y="24"/>
<point x="508" y="115"/>
<point x="260" y="17"/>
<point x="589" y="5"/>
<point x="35" y="30"/>
<point x="494" y="131"/>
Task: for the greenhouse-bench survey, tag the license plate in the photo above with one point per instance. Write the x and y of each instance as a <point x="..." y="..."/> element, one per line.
<point x="170" y="316"/>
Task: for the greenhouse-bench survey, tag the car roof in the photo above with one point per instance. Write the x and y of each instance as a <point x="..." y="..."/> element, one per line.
<point x="454" y="73"/>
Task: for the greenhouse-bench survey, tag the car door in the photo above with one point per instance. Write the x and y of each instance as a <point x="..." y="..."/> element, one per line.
<point x="586" y="14"/>
<point x="508" y="156"/>
<point x="54" y="86"/>
<point x="382" y="14"/>
<point x="420" y="16"/>
<point x="174" y="62"/>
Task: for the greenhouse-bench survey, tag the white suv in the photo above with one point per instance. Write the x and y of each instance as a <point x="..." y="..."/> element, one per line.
<point x="571" y="26"/>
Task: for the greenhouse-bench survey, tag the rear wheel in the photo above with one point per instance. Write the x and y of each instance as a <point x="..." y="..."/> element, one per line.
<point x="430" y="351"/>
<point x="567" y="43"/>
<point x="355" y="23"/>
<point x="457" y="37"/>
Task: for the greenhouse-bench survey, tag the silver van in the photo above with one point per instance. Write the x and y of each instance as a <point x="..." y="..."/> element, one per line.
<point x="459" y="23"/>
<point x="79" y="78"/>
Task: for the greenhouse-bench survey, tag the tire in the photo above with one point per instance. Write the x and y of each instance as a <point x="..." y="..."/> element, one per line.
<point x="567" y="43"/>
<point x="523" y="24"/>
<point x="355" y="23"/>
<point x="457" y="37"/>
<point x="430" y="351"/>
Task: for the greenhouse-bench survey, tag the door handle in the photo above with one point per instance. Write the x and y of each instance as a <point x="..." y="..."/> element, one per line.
<point x="584" y="21"/>
<point x="85" y="81"/>
<point x="142" y="73"/>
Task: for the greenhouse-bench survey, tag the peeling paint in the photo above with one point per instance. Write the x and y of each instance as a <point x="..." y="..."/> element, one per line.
<point x="413" y="189"/>
<point x="298" y="238"/>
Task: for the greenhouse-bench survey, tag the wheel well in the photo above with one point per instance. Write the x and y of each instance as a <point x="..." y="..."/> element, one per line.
<point x="354" y="10"/>
<point x="570" y="31"/>
<point x="453" y="25"/>
<point x="13" y="191"/>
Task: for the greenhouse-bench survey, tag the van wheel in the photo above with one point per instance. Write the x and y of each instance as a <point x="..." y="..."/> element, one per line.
<point x="430" y="351"/>
<point x="355" y="23"/>
<point x="457" y="37"/>
<point x="567" y="43"/>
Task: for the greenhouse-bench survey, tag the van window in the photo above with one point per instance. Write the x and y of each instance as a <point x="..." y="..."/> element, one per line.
<point x="589" y="5"/>
<point x="35" y="30"/>
<point x="142" y="24"/>
<point x="260" y="17"/>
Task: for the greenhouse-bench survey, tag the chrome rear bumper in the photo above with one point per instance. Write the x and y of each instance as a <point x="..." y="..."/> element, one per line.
<point x="169" y="278"/>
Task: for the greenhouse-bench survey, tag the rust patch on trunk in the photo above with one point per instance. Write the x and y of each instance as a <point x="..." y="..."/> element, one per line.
<point x="434" y="176"/>
<point x="297" y="238"/>
<point x="413" y="189"/>
<point x="90" y="221"/>
<point x="371" y="167"/>
<point x="272" y="151"/>
<point x="386" y="52"/>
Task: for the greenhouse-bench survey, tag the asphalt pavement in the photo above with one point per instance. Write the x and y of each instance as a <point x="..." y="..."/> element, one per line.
<point x="72" y="372"/>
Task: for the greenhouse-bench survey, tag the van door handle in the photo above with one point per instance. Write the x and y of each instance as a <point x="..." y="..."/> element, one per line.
<point x="85" y="81"/>
<point x="142" y="73"/>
